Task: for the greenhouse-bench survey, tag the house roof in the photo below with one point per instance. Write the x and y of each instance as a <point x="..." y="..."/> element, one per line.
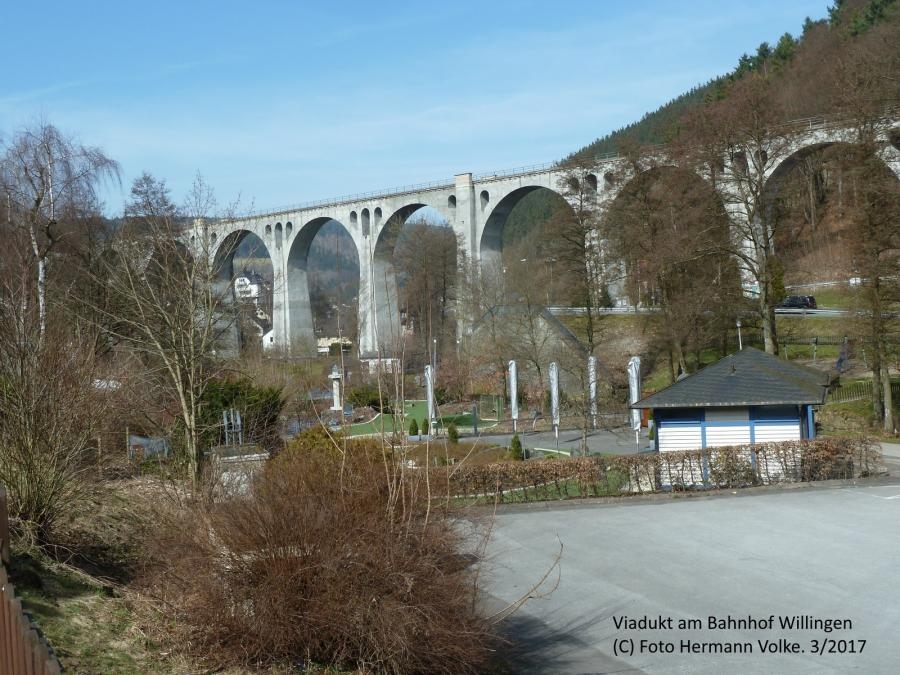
<point x="747" y="377"/>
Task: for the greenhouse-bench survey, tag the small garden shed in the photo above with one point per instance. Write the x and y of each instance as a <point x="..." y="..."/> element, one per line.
<point x="747" y="397"/>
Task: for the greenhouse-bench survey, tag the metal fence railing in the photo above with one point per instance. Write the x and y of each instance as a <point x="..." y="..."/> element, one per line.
<point x="858" y="391"/>
<point x="23" y="650"/>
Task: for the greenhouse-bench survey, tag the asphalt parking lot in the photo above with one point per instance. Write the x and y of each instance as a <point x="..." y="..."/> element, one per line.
<point x="619" y="441"/>
<point x="822" y="553"/>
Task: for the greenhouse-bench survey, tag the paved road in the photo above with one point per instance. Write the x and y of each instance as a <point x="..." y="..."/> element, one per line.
<point x="579" y="311"/>
<point x="825" y="552"/>
<point x="616" y="441"/>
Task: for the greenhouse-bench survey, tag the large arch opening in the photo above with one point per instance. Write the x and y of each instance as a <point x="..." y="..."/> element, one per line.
<point x="670" y="232"/>
<point x="245" y="275"/>
<point x="523" y="256"/>
<point x="665" y="223"/>
<point x="811" y="200"/>
<point x="415" y="278"/>
<point x="322" y="276"/>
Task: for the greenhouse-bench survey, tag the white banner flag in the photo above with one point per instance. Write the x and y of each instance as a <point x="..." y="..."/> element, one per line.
<point x="634" y="390"/>
<point x="429" y="394"/>
<point x="513" y="392"/>
<point x="592" y="388"/>
<point x="554" y="394"/>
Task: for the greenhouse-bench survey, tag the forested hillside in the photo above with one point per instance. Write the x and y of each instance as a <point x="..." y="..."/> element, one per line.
<point x="804" y="64"/>
<point x="845" y="64"/>
<point x="764" y="216"/>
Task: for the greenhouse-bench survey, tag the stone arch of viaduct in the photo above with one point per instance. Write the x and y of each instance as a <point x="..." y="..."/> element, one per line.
<point x="476" y="207"/>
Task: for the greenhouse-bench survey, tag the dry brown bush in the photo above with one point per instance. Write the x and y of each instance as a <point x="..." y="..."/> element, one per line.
<point x="50" y="417"/>
<point x="334" y="558"/>
<point x="599" y="475"/>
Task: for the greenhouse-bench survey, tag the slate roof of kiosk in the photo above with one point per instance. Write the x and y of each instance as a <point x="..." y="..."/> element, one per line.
<point x="747" y="377"/>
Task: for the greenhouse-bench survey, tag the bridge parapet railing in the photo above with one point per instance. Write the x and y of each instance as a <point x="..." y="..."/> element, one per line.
<point x="536" y="168"/>
<point x="518" y="171"/>
<point x="418" y="187"/>
<point x="891" y="113"/>
<point x="818" y="122"/>
<point x="347" y="199"/>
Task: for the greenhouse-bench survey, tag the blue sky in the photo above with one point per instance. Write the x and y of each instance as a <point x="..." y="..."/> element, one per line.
<point x="286" y="102"/>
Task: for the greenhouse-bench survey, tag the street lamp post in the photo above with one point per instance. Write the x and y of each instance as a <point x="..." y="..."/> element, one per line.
<point x="740" y="342"/>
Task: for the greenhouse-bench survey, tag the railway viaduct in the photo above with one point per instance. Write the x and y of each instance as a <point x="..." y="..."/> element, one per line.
<point x="476" y="207"/>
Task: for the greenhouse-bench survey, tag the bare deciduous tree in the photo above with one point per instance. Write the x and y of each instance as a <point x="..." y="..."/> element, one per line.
<point x="669" y="229"/>
<point x="577" y="245"/>
<point x="51" y="411"/>
<point x="47" y="178"/>
<point x="746" y="130"/>
<point x="426" y="258"/>
<point x="168" y="303"/>
<point x="868" y="77"/>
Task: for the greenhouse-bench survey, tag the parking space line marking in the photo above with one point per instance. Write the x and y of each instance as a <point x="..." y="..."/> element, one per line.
<point x="867" y="494"/>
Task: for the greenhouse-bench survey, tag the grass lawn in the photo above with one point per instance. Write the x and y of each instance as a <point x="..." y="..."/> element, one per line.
<point x="90" y="628"/>
<point x="807" y="327"/>
<point x="827" y="353"/>
<point x="417" y="410"/>
<point x="568" y="489"/>
<point x="852" y="418"/>
<point x="605" y="324"/>
<point x="832" y="297"/>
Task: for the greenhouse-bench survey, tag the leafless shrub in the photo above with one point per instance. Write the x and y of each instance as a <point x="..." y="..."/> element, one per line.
<point x="727" y="467"/>
<point x="331" y="559"/>
<point x="49" y="420"/>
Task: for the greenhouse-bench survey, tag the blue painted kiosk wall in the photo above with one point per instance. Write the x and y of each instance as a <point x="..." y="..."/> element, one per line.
<point x="701" y="428"/>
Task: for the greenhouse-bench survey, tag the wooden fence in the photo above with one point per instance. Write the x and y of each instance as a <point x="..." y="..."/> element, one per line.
<point x="23" y="650"/>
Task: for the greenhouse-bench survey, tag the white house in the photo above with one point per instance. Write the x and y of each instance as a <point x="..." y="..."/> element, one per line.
<point x="747" y="397"/>
<point x="249" y="286"/>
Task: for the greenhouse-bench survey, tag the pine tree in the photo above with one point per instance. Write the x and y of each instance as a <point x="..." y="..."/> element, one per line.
<point x="515" y="448"/>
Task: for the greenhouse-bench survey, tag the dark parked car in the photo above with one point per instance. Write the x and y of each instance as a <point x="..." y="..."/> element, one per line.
<point x="798" y="302"/>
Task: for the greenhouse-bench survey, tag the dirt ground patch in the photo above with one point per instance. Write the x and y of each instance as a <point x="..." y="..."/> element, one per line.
<point x="444" y="452"/>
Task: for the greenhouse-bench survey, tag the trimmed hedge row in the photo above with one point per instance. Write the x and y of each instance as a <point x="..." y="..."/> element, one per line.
<point x="601" y="475"/>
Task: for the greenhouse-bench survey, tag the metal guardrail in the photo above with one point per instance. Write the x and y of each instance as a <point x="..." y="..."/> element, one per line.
<point x="830" y="121"/>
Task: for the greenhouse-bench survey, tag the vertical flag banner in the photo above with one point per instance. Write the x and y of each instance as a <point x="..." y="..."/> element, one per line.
<point x="634" y="390"/>
<point x="554" y="396"/>
<point x="592" y="389"/>
<point x="513" y="394"/>
<point x="429" y="394"/>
